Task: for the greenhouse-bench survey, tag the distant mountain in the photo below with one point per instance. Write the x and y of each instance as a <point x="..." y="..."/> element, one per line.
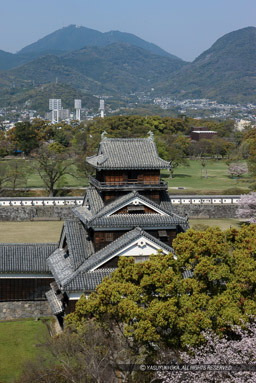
<point x="74" y="37"/>
<point x="115" y="69"/>
<point x="8" y="60"/>
<point x="226" y="72"/>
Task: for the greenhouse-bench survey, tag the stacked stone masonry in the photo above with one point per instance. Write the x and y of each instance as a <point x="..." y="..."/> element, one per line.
<point x="24" y="309"/>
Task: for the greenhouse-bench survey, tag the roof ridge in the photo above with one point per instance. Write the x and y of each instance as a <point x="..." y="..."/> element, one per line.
<point x="30" y="244"/>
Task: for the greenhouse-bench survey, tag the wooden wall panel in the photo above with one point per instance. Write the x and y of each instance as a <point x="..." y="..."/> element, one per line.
<point x="25" y="289"/>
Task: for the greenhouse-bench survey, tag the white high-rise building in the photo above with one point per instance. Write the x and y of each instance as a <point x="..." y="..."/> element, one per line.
<point x="78" y="106"/>
<point x="55" y="107"/>
<point x="102" y="108"/>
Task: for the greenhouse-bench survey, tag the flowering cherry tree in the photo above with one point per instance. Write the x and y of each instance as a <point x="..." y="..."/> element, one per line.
<point x="236" y="169"/>
<point x="247" y="207"/>
<point x="218" y="360"/>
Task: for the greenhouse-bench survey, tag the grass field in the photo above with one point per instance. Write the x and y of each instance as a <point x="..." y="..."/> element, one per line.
<point x="30" y="232"/>
<point x="192" y="178"/>
<point x="18" y="342"/>
<point x="224" y="224"/>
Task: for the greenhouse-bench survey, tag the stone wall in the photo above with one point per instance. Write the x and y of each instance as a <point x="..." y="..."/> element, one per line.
<point x="206" y="211"/>
<point x="30" y="213"/>
<point x="24" y="309"/>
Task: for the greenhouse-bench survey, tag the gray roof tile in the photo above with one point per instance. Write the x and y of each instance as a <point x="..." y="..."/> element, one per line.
<point x="127" y="153"/>
<point x="77" y="242"/>
<point x="25" y="258"/>
<point x="60" y="266"/>
<point x="54" y="303"/>
<point x="95" y="200"/>
<point x="129" y="221"/>
<point x="87" y="281"/>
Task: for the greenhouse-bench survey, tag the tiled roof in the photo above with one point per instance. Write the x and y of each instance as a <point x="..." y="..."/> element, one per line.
<point x="77" y="242"/>
<point x="165" y="201"/>
<point x="95" y="200"/>
<point x="60" y="266"/>
<point x="54" y="303"/>
<point x="125" y="200"/>
<point x="129" y="221"/>
<point x="84" y="279"/>
<point x="82" y="213"/>
<point x="118" y="244"/>
<point x="87" y="281"/>
<point x="127" y="153"/>
<point x="25" y="258"/>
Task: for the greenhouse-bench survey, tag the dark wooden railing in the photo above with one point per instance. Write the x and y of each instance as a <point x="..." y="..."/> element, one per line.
<point x="130" y="183"/>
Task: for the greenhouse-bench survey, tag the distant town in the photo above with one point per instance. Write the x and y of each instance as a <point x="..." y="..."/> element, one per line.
<point x="197" y="108"/>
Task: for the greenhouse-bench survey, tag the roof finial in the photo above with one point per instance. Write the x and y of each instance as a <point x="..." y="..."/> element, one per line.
<point x="103" y="135"/>
<point x="151" y="135"/>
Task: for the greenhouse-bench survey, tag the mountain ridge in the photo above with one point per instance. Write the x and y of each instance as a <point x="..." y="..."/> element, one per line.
<point x="225" y="72"/>
<point x="72" y="37"/>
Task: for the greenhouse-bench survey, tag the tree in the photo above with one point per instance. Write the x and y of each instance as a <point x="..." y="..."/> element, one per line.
<point x="17" y="173"/>
<point x="87" y="353"/>
<point x="25" y="135"/>
<point x="52" y="162"/>
<point x="227" y="359"/>
<point x="236" y="169"/>
<point x="154" y="302"/>
<point x="3" y="177"/>
<point x="247" y="207"/>
<point x="173" y="148"/>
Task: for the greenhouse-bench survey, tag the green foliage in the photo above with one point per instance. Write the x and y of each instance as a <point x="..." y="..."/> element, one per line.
<point x="52" y="163"/>
<point x="26" y="136"/>
<point x="155" y="303"/>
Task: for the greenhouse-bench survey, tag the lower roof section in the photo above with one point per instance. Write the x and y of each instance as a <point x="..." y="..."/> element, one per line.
<point x="25" y="258"/>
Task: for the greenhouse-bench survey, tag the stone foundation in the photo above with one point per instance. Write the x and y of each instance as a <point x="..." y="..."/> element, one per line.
<point x="37" y="213"/>
<point x="206" y="211"/>
<point x="24" y="309"/>
<point x="31" y="213"/>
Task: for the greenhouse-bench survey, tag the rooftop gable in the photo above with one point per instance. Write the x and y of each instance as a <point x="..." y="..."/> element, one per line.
<point x="122" y="246"/>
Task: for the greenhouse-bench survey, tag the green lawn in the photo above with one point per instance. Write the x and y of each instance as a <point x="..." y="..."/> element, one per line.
<point x="224" y="224"/>
<point x="18" y="342"/>
<point x="30" y="232"/>
<point x="192" y="178"/>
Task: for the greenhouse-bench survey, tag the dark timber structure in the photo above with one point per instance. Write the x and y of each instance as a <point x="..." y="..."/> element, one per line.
<point x="126" y="212"/>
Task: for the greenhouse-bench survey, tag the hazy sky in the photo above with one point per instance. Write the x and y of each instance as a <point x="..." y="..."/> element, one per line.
<point x="182" y="27"/>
